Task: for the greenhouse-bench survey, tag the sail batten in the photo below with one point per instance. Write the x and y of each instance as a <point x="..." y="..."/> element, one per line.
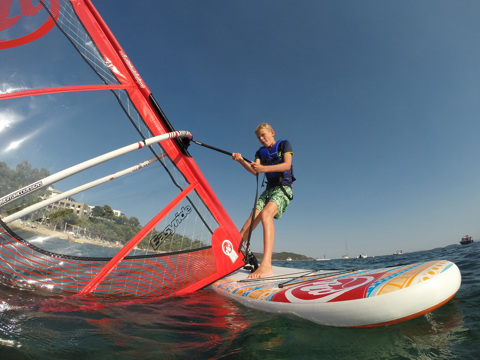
<point x="65" y="89"/>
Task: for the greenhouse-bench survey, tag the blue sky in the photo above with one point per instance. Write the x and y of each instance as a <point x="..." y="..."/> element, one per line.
<point x="380" y="100"/>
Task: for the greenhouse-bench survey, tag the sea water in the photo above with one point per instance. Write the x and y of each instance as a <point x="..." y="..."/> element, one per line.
<point x="204" y="325"/>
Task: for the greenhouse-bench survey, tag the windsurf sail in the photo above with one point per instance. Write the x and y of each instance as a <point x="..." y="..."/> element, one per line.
<point x="70" y="101"/>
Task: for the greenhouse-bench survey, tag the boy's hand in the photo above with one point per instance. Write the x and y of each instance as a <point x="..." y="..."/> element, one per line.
<point x="237" y="157"/>
<point x="249" y="166"/>
<point x="257" y="167"/>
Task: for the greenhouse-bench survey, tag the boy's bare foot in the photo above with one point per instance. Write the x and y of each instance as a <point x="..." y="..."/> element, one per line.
<point x="262" y="271"/>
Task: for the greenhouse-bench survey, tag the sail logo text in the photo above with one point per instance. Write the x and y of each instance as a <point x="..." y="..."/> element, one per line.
<point x="169" y="230"/>
<point x="29" y="14"/>
<point x="136" y="75"/>
<point x="21" y="192"/>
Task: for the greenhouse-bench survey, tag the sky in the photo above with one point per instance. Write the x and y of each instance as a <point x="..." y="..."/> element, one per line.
<point x="380" y="100"/>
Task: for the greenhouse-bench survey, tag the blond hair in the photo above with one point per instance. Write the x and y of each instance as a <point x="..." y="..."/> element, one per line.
<point x="263" y="126"/>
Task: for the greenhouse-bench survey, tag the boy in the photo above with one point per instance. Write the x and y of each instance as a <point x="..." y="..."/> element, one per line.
<point x="275" y="160"/>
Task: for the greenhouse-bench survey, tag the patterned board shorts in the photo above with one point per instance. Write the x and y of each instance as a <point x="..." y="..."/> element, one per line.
<point x="276" y="195"/>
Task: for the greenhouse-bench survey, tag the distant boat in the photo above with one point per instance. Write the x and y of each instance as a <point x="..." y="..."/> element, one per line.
<point x="345" y="257"/>
<point x="289" y="259"/>
<point x="362" y="256"/>
<point x="466" y="240"/>
<point x="324" y="258"/>
<point x="398" y="252"/>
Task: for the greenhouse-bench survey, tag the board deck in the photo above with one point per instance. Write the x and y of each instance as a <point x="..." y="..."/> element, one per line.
<point x="348" y="298"/>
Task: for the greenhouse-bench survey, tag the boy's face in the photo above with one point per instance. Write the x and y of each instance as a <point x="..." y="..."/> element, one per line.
<point x="265" y="136"/>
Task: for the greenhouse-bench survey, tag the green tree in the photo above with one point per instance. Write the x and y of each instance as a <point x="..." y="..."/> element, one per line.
<point x="23" y="175"/>
<point x="62" y="217"/>
<point x="108" y="212"/>
<point x="97" y="211"/>
<point x="6" y="179"/>
<point x="133" y="221"/>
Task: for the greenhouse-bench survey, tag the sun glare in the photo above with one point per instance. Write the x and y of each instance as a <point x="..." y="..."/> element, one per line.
<point x="4" y="124"/>
<point x="8" y="119"/>
<point x="15" y="144"/>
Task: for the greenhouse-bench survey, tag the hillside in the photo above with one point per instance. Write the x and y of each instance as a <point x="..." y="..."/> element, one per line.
<point x="283" y="256"/>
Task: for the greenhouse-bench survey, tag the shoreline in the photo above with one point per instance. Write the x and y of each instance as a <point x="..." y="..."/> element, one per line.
<point x="43" y="230"/>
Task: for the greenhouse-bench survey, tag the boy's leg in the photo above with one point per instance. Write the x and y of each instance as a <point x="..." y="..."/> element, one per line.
<point x="246" y="227"/>
<point x="266" y="216"/>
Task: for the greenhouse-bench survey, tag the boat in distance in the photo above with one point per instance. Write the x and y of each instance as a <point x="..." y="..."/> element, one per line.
<point x="466" y="240"/>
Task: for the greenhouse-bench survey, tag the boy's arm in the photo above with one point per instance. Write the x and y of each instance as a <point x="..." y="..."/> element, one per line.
<point x="282" y="167"/>
<point x="248" y="166"/>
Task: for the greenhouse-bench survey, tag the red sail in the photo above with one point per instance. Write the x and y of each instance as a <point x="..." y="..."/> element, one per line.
<point x="71" y="95"/>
